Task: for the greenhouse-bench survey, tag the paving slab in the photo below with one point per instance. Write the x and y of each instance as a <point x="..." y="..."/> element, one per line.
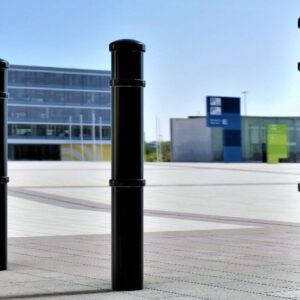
<point x="212" y="231"/>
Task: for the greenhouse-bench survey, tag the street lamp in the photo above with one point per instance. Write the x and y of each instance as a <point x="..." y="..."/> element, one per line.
<point x="245" y="101"/>
<point x="299" y="27"/>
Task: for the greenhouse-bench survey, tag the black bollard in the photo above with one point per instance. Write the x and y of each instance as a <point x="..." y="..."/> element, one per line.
<point x="3" y="164"/>
<point x="127" y="164"/>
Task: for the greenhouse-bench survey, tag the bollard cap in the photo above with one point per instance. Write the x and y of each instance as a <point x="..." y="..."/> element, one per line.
<point x="127" y="45"/>
<point x="4" y="64"/>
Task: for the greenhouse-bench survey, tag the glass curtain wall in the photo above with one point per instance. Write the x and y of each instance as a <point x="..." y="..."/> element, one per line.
<point x="254" y="136"/>
<point x="45" y="104"/>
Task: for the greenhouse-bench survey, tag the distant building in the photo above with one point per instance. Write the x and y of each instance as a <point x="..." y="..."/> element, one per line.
<point x="192" y="140"/>
<point x="58" y="114"/>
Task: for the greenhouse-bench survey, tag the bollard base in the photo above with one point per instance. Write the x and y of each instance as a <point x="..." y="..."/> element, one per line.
<point x="127" y="238"/>
<point x="121" y="288"/>
<point x="3" y="227"/>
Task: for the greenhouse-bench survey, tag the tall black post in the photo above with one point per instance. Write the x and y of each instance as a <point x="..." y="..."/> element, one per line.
<point x="127" y="164"/>
<point x="3" y="165"/>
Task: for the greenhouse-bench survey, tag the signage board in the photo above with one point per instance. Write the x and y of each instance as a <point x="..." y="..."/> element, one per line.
<point x="276" y="142"/>
<point x="223" y="112"/>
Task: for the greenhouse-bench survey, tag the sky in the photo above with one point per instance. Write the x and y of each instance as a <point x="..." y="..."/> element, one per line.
<point x="194" y="48"/>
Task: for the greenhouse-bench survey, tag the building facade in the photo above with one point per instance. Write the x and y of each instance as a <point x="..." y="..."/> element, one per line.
<point x="58" y="114"/>
<point x="192" y="140"/>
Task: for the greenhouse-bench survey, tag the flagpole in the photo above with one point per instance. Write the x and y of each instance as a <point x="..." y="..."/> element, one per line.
<point x="81" y="136"/>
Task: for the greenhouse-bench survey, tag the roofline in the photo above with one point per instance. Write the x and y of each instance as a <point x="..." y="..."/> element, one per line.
<point x="293" y="117"/>
<point x="198" y="117"/>
<point x="41" y="68"/>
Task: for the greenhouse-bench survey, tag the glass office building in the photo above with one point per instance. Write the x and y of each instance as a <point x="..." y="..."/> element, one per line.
<point x="254" y="137"/>
<point x="58" y="114"/>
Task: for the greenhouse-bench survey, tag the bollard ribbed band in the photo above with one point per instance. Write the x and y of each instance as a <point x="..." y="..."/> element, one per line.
<point x="4" y="64"/>
<point x="4" y="179"/>
<point x="127" y="182"/>
<point x="128" y="82"/>
<point x="3" y="95"/>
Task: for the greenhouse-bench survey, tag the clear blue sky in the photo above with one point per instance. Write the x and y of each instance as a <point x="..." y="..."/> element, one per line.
<point x="194" y="48"/>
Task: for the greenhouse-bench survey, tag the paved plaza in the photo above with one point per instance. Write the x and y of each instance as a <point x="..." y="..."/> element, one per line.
<point x="212" y="231"/>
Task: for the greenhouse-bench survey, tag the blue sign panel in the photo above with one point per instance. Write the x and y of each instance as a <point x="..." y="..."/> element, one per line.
<point x="223" y="112"/>
<point x="232" y="145"/>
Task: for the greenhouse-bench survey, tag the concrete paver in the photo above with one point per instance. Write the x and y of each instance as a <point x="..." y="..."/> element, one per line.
<point x="213" y="231"/>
